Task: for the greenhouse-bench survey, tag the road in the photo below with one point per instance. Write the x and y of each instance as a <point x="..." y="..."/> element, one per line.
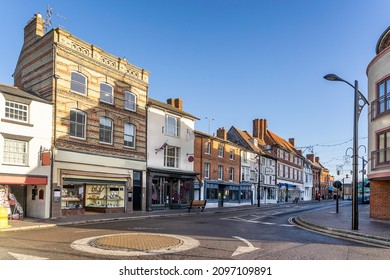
<point x="256" y="234"/>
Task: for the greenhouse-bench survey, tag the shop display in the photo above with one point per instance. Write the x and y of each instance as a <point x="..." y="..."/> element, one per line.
<point x="102" y="196"/>
<point x="72" y="197"/>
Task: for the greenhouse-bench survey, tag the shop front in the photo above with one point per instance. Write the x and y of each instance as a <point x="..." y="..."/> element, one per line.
<point x="223" y="194"/>
<point x="80" y="195"/>
<point x="169" y="190"/>
<point x="25" y="196"/>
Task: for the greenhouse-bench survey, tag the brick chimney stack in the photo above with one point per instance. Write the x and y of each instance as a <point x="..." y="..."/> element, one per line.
<point x="310" y="157"/>
<point x="221" y="133"/>
<point x="34" y="28"/>
<point x="176" y="102"/>
<point x="259" y="128"/>
<point x="292" y="141"/>
<point x="318" y="159"/>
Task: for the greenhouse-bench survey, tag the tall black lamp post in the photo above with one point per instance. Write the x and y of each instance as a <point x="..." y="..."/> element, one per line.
<point x="359" y="103"/>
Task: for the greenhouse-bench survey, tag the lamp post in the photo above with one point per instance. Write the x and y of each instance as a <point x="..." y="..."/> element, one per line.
<point x="359" y="102"/>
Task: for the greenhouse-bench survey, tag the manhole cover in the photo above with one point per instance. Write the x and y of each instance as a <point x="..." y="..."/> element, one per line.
<point x="135" y="244"/>
<point x="139" y="242"/>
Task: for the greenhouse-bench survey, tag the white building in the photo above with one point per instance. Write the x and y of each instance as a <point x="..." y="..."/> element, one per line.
<point x="307" y="190"/>
<point x="170" y="155"/>
<point x="25" y="144"/>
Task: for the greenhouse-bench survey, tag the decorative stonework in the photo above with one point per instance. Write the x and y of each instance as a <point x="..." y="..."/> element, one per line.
<point x="81" y="49"/>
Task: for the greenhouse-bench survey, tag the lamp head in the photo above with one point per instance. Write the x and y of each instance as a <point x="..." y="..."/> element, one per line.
<point x="333" y="77"/>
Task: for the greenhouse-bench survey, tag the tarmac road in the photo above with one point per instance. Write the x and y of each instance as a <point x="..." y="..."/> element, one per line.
<point x="254" y="233"/>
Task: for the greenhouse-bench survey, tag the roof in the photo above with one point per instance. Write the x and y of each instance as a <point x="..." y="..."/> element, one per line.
<point x="248" y="138"/>
<point x="165" y="106"/>
<point x="15" y="91"/>
<point x="277" y="140"/>
<point x="384" y="41"/>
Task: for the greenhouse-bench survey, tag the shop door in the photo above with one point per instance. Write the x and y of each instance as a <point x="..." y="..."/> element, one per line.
<point x="137" y="198"/>
<point x="137" y="191"/>
<point x="221" y="193"/>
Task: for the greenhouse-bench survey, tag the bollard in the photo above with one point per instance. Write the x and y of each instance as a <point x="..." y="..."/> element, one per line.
<point x="4" y="218"/>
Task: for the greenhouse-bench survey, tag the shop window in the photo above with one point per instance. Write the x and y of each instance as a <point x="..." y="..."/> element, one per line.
<point x="72" y="197"/>
<point x="104" y="196"/>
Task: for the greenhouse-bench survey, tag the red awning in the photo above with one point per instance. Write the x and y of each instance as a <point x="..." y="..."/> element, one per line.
<point x="23" y="180"/>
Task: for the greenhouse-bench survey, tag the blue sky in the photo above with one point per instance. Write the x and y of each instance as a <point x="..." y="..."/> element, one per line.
<point x="233" y="60"/>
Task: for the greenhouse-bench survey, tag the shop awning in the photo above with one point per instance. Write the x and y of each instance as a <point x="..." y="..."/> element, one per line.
<point x="286" y="185"/>
<point x="23" y="180"/>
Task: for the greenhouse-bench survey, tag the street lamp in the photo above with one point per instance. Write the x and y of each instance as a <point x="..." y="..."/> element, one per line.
<point x="359" y="102"/>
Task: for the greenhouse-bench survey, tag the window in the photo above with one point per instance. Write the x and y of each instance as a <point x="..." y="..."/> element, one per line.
<point x="220" y="172"/>
<point x="220" y="150"/>
<point x="231" y="174"/>
<point x="78" y="83"/>
<point x="106" y="93"/>
<point x="105" y="133"/>
<point x="207" y="170"/>
<point x="207" y="148"/>
<point x="15" y="152"/>
<point x="232" y="154"/>
<point x="245" y="174"/>
<point x="130" y="101"/>
<point x="171" y="156"/>
<point x="171" y="126"/>
<point x="16" y="111"/>
<point x="77" y="124"/>
<point x="384" y="147"/>
<point x="129" y="135"/>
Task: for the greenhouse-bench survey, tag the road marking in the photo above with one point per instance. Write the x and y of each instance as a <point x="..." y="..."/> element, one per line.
<point x="26" y="257"/>
<point x="242" y="249"/>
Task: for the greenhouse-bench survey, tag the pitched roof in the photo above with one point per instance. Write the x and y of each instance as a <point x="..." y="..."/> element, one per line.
<point x="248" y="138"/>
<point x="165" y="106"/>
<point x="15" y="91"/>
<point x="275" y="139"/>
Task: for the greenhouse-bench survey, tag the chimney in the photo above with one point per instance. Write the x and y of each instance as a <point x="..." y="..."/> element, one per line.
<point x="318" y="159"/>
<point x="179" y="103"/>
<point x="175" y="102"/>
<point x="221" y="133"/>
<point x="34" y="28"/>
<point x="310" y="157"/>
<point x="292" y="141"/>
<point x="259" y="128"/>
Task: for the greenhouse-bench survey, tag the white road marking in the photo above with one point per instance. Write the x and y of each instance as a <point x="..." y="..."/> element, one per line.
<point x="242" y="249"/>
<point x="26" y="257"/>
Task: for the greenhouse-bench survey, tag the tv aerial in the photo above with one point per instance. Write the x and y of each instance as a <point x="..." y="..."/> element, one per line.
<point x="49" y="18"/>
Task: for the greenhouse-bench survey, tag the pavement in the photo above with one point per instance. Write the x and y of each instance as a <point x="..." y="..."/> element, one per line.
<point x="325" y="220"/>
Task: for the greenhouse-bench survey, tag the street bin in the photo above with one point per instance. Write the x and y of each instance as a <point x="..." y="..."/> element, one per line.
<point x="4" y="218"/>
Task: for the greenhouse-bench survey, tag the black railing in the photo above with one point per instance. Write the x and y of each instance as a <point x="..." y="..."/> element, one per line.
<point x="380" y="106"/>
<point x="380" y="159"/>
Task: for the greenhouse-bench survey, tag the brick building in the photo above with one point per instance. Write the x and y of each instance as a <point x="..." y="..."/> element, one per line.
<point x="217" y="161"/>
<point x="99" y="120"/>
<point x="289" y="161"/>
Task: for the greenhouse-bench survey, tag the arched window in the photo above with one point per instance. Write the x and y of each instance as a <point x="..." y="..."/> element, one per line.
<point x="78" y="122"/>
<point x="106" y="93"/>
<point x="130" y="101"/>
<point x="78" y="83"/>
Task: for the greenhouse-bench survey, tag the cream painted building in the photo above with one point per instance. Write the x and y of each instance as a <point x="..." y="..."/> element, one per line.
<point x="170" y="154"/>
<point x="25" y="141"/>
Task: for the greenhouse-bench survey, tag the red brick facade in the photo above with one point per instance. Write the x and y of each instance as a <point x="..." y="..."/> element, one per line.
<point x="380" y="200"/>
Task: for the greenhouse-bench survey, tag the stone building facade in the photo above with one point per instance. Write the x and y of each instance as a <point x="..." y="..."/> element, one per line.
<point x="99" y="120"/>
